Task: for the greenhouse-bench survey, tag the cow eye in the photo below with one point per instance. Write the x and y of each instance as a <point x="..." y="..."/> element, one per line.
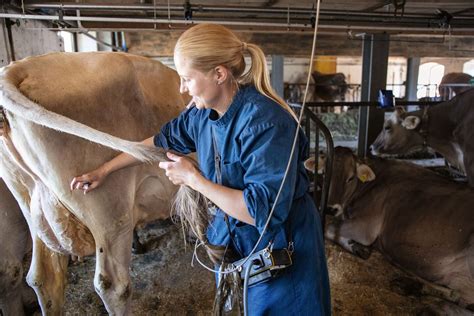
<point x="350" y="179"/>
<point x="387" y="127"/>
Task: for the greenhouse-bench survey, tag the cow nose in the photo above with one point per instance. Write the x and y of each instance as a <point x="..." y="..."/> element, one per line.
<point x="372" y="150"/>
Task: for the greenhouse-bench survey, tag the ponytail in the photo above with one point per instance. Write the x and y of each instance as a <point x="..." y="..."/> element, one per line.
<point x="258" y="76"/>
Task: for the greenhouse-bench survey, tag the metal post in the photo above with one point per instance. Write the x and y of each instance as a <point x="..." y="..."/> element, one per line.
<point x="8" y="25"/>
<point x="375" y="51"/>
<point x="413" y="66"/>
<point x="277" y="74"/>
<point x="5" y="51"/>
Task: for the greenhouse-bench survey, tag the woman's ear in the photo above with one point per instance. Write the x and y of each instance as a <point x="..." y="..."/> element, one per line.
<point x="221" y="73"/>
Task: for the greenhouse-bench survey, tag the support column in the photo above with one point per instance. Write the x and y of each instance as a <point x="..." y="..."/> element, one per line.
<point x="413" y="67"/>
<point x="277" y="74"/>
<point x="375" y="51"/>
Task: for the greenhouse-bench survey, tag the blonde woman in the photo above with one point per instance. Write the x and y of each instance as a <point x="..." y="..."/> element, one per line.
<point x="239" y="120"/>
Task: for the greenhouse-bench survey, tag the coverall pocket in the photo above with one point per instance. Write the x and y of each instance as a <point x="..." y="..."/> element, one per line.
<point x="233" y="175"/>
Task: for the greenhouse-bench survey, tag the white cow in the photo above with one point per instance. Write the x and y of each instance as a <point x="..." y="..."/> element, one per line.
<point x="119" y="94"/>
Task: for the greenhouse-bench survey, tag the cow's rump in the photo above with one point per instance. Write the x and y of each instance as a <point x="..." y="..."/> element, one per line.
<point x="49" y="100"/>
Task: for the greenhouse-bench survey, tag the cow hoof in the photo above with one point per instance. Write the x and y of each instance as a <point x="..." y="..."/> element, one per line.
<point x="360" y="251"/>
<point x="406" y="286"/>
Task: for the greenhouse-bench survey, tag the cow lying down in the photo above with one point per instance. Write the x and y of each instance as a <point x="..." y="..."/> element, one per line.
<point x="417" y="219"/>
<point x="446" y="127"/>
<point x="58" y="107"/>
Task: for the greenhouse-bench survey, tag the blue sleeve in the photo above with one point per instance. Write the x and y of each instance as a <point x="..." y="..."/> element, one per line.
<point x="265" y="152"/>
<point x="178" y="134"/>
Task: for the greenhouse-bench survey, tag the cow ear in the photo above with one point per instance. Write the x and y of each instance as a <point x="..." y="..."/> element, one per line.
<point x="411" y="122"/>
<point x="365" y="173"/>
<point x="310" y="165"/>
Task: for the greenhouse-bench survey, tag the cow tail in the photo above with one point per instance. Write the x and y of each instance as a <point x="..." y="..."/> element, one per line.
<point x="191" y="208"/>
<point x="15" y="102"/>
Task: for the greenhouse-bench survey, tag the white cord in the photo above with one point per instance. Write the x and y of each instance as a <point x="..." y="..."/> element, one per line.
<point x="287" y="166"/>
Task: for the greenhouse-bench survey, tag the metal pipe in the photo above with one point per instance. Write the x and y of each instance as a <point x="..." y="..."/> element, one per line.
<point x="290" y="30"/>
<point x="230" y="23"/>
<point x="233" y="9"/>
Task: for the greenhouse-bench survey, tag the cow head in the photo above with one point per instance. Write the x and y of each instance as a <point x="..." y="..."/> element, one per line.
<point x="348" y="173"/>
<point x="400" y="134"/>
<point x="330" y="87"/>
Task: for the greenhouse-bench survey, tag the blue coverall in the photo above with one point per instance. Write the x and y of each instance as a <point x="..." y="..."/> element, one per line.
<point x="254" y="139"/>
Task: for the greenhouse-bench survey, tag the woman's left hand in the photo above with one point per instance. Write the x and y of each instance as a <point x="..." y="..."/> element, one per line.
<point x="180" y="170"/>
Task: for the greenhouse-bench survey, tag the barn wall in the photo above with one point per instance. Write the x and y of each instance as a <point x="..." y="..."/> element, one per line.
<point x="155" y="44"/>
<point x="33" y="38"/>
<point x="29" y="38"/>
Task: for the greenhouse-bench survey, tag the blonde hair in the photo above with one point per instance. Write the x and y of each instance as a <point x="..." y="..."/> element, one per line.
<point x="207" y="46"/>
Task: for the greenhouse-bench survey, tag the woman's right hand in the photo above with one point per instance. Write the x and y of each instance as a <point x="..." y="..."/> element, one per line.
<point x="89" y="181"/>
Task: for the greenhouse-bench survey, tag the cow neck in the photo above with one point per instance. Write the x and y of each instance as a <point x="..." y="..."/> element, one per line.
<point x="363" y="187"/>
<point x="441" y="128"/>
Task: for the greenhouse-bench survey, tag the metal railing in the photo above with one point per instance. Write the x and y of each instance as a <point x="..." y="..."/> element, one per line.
<point x="321" y="182"/>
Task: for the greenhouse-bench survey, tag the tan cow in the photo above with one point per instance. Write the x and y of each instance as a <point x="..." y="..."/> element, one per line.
<point x="15" y="244"/>
<point x="119" y="94"/>
<point x="446" y="127"/>
<point x="417" y="219"/>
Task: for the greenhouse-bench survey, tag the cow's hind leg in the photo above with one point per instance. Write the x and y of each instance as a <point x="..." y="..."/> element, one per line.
<point x="112" y="278"/>
<point x="47" y="276"/>
<point x="415" y="286"/>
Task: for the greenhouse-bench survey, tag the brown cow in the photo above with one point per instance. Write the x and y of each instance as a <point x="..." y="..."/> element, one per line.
<point x="119" y="94"/>
<point x="329" y="87"/>
<point x="417" y="219"/>
<point x="446" y="127"/>
<point x="15" y="244"/>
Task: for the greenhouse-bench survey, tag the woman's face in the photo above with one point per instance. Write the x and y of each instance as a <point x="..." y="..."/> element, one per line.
<point x="203" y="88"/>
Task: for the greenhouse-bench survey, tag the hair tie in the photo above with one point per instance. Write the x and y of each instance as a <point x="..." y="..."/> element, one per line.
<point x="244" y="46"/>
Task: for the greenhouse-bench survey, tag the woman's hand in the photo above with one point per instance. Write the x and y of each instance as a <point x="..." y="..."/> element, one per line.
<point x="180" y="170"/>
<point x="89" y="181"/>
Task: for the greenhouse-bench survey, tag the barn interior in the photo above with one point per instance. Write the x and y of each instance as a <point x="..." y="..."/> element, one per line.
<point x="402" y="46"/>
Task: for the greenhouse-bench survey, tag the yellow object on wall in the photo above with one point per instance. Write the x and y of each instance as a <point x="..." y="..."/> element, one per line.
<point x="325" y="64"/>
